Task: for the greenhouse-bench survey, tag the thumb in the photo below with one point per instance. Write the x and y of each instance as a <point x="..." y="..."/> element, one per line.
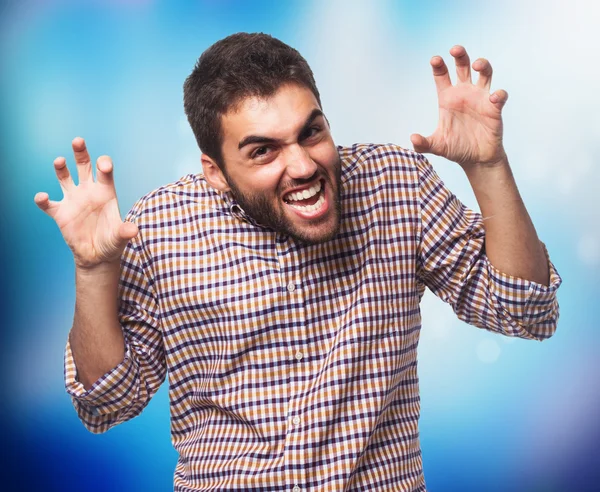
<point x="117" y="241"/>
<point x="420" y="143"/>
<point x="127" y="231"/>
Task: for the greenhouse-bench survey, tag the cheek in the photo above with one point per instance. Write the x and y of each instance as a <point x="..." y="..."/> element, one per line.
<point x="326" y="156"/>
<point x="265" y="180"/>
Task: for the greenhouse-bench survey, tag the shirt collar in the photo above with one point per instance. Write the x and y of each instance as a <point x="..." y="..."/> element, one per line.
<point x="233" y="208"/>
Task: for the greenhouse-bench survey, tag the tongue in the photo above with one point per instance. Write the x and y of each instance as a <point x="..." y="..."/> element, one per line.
<point x="307" y="201"/>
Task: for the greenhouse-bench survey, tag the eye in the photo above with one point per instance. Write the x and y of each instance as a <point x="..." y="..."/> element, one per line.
<point x="260" y="152"/>
<point x="311" y="132"/>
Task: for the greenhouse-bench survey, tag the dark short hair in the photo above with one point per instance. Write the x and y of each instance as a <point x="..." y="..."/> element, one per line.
<point x="239" y="66"/>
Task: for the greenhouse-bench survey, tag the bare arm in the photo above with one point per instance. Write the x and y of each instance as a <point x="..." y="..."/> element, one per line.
<point x="89" y="220"/>
<point x="96" y="337"/>
<point x="511" y="242"/>
<point x="469" y="133"/>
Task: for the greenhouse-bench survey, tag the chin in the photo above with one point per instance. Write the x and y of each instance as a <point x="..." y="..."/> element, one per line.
<point x="316" y="234"/>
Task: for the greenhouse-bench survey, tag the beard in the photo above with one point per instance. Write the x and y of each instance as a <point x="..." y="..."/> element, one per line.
<point x="271" y="213"/>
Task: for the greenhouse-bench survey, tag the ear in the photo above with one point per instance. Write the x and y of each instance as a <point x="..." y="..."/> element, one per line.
<point x="213" y="174"/>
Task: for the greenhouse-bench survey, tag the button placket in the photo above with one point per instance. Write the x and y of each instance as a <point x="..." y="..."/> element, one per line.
<point x="295" y="313"/>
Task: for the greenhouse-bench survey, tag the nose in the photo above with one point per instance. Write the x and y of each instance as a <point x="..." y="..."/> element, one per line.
<point x="299" y="163"/>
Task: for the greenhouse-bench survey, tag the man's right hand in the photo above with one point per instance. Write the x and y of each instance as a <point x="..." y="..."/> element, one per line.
<point x="88" y="215"/>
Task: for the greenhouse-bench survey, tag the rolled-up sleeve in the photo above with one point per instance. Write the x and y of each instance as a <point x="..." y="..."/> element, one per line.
<point x="99" y="406"/>
<point x="123" y="392"/>
<point x="453" y="265"/>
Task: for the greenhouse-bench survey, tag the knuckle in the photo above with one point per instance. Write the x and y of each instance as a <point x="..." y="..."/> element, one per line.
<point x="437" y="61"/>
<point x="485" y="65"/>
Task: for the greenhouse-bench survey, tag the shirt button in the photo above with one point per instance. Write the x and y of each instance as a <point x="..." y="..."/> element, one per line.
<point x="296" y="488"/>
<point x="299" y="355"/>
<point x="291" y="287"/>
<point x="296" y="420"/>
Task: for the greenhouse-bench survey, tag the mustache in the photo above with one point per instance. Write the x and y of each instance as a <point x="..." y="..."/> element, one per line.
<point x="295" y="183"/>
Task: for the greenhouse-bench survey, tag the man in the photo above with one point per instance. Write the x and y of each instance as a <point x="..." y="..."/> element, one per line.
<point x="281" y="288"/>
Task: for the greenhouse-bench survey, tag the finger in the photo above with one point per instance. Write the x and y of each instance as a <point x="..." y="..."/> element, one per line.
<point x="105" y="170"/>
<point x="440" y="73"/>
<point x="42" y="200"/>
<point x="463" y="64"/>
<point x="420" y="143"/>
<point x="63" y="174"/>
<point x="484" y="68"/>
<point x="82" y="158"/>
<point x="499" y="98"/>
<point x="127" y="231"/>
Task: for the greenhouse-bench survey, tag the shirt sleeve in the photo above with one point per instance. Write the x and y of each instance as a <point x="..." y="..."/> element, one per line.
<point x="124" y="392"/>
<point x="453" y="264"/>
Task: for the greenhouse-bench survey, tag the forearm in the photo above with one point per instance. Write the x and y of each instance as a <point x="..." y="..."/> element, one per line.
<point x="96" y="338"/>
<point x="511" y="242"/>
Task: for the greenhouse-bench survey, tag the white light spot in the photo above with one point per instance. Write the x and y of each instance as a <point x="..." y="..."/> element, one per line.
<point x="596" y="126"/>
<point x="488" y="351"/>
<point x="184" y="128"/>
<point x="437" y="318"/>
<point x="189" y="166"/>
<point x="534" y="166"/>
<point x="589" y="250"/>
<point x="564" y="182"/>
<point x="439" y="330"/>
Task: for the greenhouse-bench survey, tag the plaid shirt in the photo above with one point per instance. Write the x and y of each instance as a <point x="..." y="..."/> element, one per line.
<point x="294" y="367"/>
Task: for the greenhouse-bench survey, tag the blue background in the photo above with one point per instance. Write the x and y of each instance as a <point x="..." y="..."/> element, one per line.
<point x="498" y="414"/>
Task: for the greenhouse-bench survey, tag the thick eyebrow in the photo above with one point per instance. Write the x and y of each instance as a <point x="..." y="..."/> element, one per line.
<point x="251" y="139"/>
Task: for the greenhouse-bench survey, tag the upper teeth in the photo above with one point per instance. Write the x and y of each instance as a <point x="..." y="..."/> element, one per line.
<point x="304" y="194"/>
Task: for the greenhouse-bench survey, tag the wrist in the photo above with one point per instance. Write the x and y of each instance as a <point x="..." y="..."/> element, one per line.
<point x="104" y="270"/>
<point x="97" y="286"/>
<point x="498" y="167"/>
<point x="499" y="159"/>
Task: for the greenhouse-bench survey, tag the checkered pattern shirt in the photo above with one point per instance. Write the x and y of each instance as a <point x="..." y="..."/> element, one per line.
<point x="292" y="366"/>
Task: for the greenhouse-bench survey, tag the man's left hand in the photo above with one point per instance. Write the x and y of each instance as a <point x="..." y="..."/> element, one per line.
<point x="469" y="131"/>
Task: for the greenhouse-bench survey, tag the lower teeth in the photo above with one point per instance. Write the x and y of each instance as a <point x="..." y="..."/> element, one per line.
<point x="310" y="208"/>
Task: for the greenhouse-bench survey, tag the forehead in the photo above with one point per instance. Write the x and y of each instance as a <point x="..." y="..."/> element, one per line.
<point x="276" y="116"/>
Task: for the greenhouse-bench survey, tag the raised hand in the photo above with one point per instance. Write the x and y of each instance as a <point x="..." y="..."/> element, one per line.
<point x="469" y="130"/>
<point x="88" y="215"/>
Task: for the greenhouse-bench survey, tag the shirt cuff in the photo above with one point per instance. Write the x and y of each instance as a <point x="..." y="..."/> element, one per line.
<point x="532" y="305"/>
<point x="110" y="393"/>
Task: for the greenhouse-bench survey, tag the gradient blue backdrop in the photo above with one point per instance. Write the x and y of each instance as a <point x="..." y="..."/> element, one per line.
<point x="498" y="414"/>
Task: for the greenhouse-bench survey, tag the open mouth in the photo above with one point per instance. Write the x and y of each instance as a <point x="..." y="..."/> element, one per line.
<point x="308" y="203"/>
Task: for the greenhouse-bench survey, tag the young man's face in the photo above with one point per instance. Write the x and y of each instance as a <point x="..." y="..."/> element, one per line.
<point x="281" y="164"/>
